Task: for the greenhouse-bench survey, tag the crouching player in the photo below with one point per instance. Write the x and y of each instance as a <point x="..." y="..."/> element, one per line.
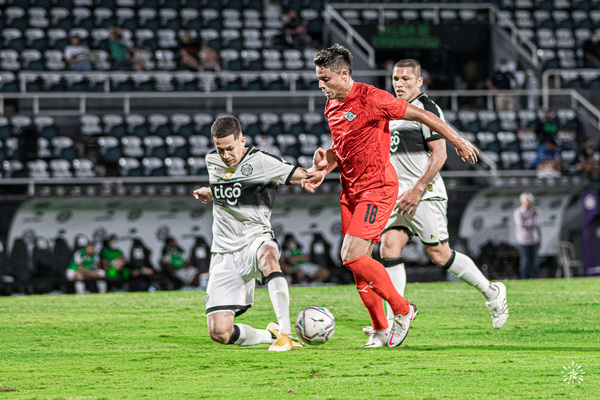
<point x="243" y="185"/>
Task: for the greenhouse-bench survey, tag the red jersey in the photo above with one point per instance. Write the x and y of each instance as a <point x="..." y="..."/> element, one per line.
<point x="361" y="136"/>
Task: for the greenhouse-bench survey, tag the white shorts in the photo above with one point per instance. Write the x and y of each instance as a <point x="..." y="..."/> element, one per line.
<point x="429" y="222"/>
<point x="232" y="276"/>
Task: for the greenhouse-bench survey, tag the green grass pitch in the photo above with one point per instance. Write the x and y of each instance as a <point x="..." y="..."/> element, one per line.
<point x="156" y="346"/>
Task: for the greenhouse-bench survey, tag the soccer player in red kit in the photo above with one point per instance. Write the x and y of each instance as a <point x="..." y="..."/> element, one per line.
<point x="358" y="116"/>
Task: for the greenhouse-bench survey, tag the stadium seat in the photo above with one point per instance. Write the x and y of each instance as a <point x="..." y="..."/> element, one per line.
<point x="508" y="141"/>
<point x="114" y="125"/>
<point x="20" y="122"/>
<point x="83" y="168"/>
<point x="64" y="148"/>
<point x="155" y="147"/>
<point x="38" y="169"/>
<point x="147" y="18"/>
<point x="159" y="125"/>
<point x="197" y="166"/>
<point x="165" y="60"/>
<point x="104" y="17"/>
<point x="9" y="60"/>
<point x="202" y="123"/>
<point x="8" y="80"/>
<point x="314" y="123"/>
<point x="60" y="18"/>
<point x="6" y="128"/>
<point x="136" y="125"/>
<point x="43" y="150"/>
<point x="528" y="140"/>
<point x="45" y="126"/>
<point x="90" y="124"/>
<point x="508" y="120"/>
<point x="272" y="59"/>
<point x="199" y="145"/>
<point x="488" y="142"/>
<point x="32" y="60"/>
<point x="109" y="149"/>
<point x="489" y="121"/>
<point x="186" y="81"/>
<point x="270" y="123"/>
<point x="510" y="160"/>
<point x="14" y="169"/>
<point x="250" y="124"/>
<point x="33" y="83"/>
<point x="15" y="17"/>
<point x="469" y="122"/>
<point x="35" y="38"/>
<point x="232" y="18"/>
<point x="308" y="143"/>
<point x="527" y="157"/>
<point x="60" y="169"/>
<point x="169" y="18"/>
<point x="181" y="124"/>
<point x="252" y="19"/>
<point x="53" y="82"/>
<point x="231" y="60"/>
<point x="526" y="118"/>
<point x="54" y="60"/>
<point x="130" y="166"/>
<point x="288" y="145"/>
<point x="142" y="82"/>
<point x="292" y="123"/>
<point x="190" y="19"/>
<point x="211" y="38"/>
<point x="177" y="146"/>
<point x="176" y="166"/>
<point x="132" y="146"/>
<point x="251" y="59"/>
<point x="167" y="39"/>
<point x="154" y="166"/>
<point x="293" y="59"/>
<point x="211" y="19"/>
<point x="82" y="18"/>
<point x="126" y="18"/>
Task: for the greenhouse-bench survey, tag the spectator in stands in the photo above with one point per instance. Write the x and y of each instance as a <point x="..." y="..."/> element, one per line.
<point x="546" y="127"/>
<point x="113" y="262"/>
<point x="77" y="55"/>
<point x="174" y="264"/>
<point x="528" y="224"/>
<point x="296" y="260"/>
<point x="548" y="162"/>
<point x="294" y="35"/>
<point x="591" y="50"/>
<point x="587" y="161"/>
<point x="196" y="57"/>
<point x="84" y="267"/>
<point x="502" y="78"/>
<point x="143" y="276"/>
<point x="121" y="51"/>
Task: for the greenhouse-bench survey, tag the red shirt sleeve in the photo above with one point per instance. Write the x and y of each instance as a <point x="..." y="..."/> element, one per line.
<point x="385" y="106"/>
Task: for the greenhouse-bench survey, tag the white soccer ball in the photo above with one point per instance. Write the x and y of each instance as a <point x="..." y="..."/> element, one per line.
<point x="315" y="325"/>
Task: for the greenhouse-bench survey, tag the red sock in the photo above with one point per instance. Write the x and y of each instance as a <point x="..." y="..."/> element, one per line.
<point x="372" y="302"/>
<point x="373" y="273"/>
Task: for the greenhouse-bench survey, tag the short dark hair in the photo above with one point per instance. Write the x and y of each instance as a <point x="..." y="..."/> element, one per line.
<point x="225" y="126"/>
<point x="336" y="58"/>
<point x="410" y="63"/>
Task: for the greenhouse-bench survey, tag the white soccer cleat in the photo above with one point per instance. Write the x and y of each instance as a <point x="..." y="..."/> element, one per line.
<point x="377" y="338"/>
<point x="499" y="307"/>
<point x="401" y="326"/>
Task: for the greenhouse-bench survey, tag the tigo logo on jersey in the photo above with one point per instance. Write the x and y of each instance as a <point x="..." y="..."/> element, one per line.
<point x="230" y="193"/>
<point x="350" y="116"/>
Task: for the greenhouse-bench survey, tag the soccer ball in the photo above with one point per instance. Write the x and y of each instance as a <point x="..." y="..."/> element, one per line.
<point x="315" y="325"/>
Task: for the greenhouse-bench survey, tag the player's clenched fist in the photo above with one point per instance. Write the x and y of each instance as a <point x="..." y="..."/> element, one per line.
<point x="204" y="194"/>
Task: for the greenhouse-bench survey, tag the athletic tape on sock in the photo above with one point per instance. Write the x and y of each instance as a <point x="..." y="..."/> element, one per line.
<point x="235" y="335"/>
<point x="450" y="261"/>
<point x="392" y="262"/>
<point x="274" y="275"/>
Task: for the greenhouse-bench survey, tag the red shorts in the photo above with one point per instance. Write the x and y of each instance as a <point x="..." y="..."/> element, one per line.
<point x="365" y="215"/>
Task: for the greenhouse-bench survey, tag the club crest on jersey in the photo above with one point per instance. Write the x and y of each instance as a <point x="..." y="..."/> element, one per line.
<point x="350" y="116"/>
<point x="247" y="169"/>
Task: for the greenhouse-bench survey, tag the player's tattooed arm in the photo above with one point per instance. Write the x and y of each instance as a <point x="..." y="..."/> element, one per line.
<point x="204" y="194"/>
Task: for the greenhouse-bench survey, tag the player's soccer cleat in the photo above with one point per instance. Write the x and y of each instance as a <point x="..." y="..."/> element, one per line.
<point x="401" y="326"/>
<point x="283" y="342"/>
<point x="377" y="338"/>
<point x="367" y="329"/>
<point x="274" y="330"/>
<point x="499" y="307"/>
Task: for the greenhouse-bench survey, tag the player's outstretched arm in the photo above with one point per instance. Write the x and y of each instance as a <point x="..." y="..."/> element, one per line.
<point x="464" y="148"/>
<point x="204" y="194"/>
<point x="409" y="200"/>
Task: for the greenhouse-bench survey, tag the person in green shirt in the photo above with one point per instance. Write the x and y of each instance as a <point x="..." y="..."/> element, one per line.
<point x="113" y="261"/>
<point x="84" y="267"/>
<point x="176" y="266"/>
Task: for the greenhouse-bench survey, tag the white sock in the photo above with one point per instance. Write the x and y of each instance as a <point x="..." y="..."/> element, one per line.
<point x="79" y="287"/>
<point x="250" y="336"/>
<point x="280" y="297"/>
<point x="101" y="285"/>
<point x="465" y="269"/>
<point x="398" y="275"/>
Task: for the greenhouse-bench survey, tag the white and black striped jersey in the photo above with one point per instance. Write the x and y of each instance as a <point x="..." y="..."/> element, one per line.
<point x="243" y="196"/>
<point x="409" y="151"/>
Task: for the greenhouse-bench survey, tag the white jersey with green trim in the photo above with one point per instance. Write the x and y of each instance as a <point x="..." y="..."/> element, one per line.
<point x="243" y="197"/>
<point x="409" y="151"/>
